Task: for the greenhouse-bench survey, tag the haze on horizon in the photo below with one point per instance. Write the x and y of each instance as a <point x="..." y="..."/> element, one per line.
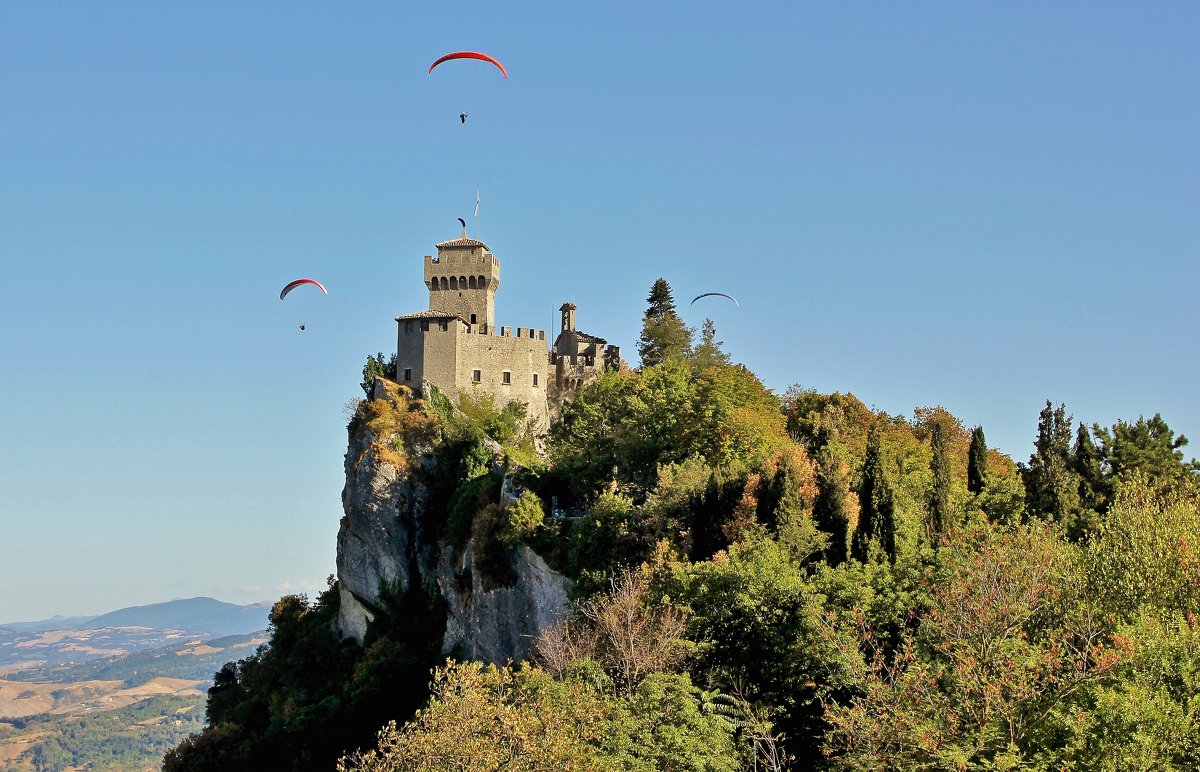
<point x="982" y="207"/>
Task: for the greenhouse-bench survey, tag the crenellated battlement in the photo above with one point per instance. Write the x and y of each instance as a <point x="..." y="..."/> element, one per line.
<point x="456" y="344"/>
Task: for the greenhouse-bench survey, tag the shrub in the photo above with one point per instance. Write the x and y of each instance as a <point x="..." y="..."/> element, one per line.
<point x="521" y="519"/>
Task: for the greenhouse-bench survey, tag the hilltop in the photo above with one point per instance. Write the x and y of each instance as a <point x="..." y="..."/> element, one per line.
<point x="691" y="571"/>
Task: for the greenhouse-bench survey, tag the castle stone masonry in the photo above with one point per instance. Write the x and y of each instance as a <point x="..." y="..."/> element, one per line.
<point x="456" y="346"/>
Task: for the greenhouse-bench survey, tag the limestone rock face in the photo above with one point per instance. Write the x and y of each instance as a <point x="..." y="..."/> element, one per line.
<point x="384" y="539"/>
<point x="499" y="624"/>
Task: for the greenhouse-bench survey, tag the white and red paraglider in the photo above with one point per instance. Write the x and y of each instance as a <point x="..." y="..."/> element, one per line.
<point x="300" y="283"/>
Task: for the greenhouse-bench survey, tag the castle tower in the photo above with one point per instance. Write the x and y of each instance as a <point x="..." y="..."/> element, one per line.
<point x="462" y="280"/>
<point x="568" y="316"/>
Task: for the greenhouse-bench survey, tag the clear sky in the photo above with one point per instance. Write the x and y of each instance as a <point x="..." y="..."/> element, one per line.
<point x="978" y="205"/>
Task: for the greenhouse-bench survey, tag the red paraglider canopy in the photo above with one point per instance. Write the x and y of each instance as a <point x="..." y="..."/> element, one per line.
<point x="469" y="55"/>
<point x="293" y="285"/>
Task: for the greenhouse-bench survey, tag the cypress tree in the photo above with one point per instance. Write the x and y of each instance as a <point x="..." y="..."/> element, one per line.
<point x="939" y="499"/>
<point x="877" y="516"/>
<point x="977" y="462"/>
<point x="830" y="510"/>
<point x="664" y="334"/>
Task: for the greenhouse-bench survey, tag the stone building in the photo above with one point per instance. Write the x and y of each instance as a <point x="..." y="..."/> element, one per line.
<point x="456" y="346"/>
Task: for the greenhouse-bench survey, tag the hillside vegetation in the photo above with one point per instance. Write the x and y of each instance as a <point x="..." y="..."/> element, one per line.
<point x="764" y="582"/>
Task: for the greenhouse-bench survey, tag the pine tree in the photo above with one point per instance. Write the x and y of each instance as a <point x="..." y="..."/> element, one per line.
<point x="1088" y="463"/>
<point x="1051" y="485"/>
<point x="939" y="499"/>
<point x="977" y="462"/>
<point x="664" y="335"/>
<point x="877" y="516"/>
<point x="709" y="353"/>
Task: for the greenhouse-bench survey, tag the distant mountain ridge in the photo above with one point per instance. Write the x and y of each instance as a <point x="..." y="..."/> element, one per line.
<point x="58" y="640"/>
<point x="199" y="615"/>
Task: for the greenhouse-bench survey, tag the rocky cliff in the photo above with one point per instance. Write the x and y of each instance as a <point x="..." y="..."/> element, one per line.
<point x="388" y="539"/>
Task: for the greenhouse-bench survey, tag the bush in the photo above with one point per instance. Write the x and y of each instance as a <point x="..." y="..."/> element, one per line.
<point x="521" y="519"/>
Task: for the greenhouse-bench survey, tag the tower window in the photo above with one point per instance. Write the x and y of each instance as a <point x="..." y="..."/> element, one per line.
<point x="445" y="326"/>
<point x="535" y="375"/>
<point x="476" y="375"/>
<point x="408" y="374"/>
<point x="472" y="318"/>
<point x="507" y="378"/>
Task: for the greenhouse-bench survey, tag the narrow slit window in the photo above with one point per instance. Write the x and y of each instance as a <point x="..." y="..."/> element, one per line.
<point x="507" y="378"/>
<point x="477" y="376"/>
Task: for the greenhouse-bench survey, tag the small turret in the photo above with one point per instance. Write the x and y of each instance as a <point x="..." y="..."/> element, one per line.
<point x="568" y="316"/>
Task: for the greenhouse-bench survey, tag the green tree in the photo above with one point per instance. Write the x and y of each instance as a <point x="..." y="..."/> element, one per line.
<point x="378" y="365"/>
<point x="940" y="501"/>
<point x="488" y="717"/>
<point x="522" y="519"/>
<point x="708" y="353"/>
<point x="834" y="511"/>
<point x="762" y="624"/>
<point x="664" y="335"/>
<point x="1006" y="651"/>
<point x="977" y="462"/>
<point x="1149" y="447"/>
<point x="877" y="511"/>
<point x="1051" y="485"/>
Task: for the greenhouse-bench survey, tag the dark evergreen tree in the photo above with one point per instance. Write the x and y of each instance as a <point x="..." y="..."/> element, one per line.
<point x="377" y="365"/>
<point x="831" y="510"/>
<point x="1088" y="462"/>
<point x="876" y="515"/>
<point x="708" y="353"/>
<point x="977" y="462"/>
<point x="664" y="334"/>
<point x="939" y="497"/>
<point x="1051" y="485"/>
<point x="1149" y="447"/>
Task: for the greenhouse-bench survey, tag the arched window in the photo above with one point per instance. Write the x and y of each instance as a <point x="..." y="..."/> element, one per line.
<point x="482" y="283"/>
<point x="471" y="282"/>
<point x="453" y="282"/>
<point x="462" y="282"/>
<point x="445" y="283"/>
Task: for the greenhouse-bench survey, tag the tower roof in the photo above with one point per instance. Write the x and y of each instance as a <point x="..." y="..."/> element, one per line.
<point x="432" y="314"/>
<point x="461" y="242"/>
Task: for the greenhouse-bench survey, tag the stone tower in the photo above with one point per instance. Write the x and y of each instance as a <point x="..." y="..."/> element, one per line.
<point x="462" y="280"/>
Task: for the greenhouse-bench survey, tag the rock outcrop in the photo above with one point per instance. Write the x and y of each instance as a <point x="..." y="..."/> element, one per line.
<point x="387" y="540"/>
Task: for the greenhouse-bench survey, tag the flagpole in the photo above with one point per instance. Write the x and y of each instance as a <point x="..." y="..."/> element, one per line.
<point x="477" y="211"/>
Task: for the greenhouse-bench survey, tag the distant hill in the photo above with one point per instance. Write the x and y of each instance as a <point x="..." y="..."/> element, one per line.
<point x="46" y="625"/>
<point x="57" y="642"/>
<point x="199" y="615"/>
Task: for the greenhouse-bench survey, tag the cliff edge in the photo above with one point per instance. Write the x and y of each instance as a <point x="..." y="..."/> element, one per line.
<point x="393" y="537"/>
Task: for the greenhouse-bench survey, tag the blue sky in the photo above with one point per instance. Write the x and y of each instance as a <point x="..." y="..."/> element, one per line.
<point x="982" y="206"/>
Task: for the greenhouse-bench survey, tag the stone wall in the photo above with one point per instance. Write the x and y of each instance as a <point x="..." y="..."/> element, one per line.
<point x="459" y="358"/>
<point x="509" y="367"/>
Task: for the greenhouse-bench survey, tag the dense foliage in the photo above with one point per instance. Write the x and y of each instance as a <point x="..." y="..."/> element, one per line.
<point x="306" y="696"/>
<point x="765" y="581"/>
